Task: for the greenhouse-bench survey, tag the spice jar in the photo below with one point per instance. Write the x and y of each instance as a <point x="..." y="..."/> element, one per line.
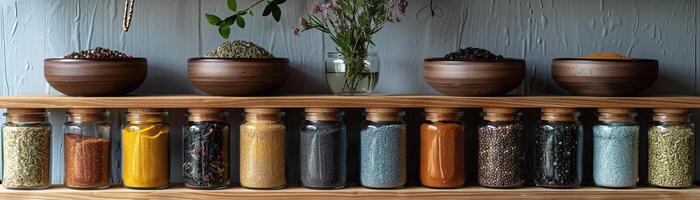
<point x="87" y="149"/>
<point x="145" y="149"/>
<point x="616" y="148"/>
<point x="26" y="149"/>
<point x="671" y="149"/>
<point x="442" y="149"/>
<point x="501" y="159"/>
<point x="558" y="149"/>
<point x="262" y="149"/>
<point x="322" y="149"/>
<point x="383" y="149"/>
<point x="205" y="163"/>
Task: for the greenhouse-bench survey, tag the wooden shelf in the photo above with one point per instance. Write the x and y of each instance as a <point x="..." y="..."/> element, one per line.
<point x="345" y="102"/>
<point x="60" y="192"/>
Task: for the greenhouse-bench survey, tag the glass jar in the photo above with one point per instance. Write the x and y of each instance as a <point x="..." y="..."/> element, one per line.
<point x="671" y="149"/>
<point x="145" y="149"/>
<point x="262" y="149"/>
<point x="87" y="149"/>
<point x="383" y="149"/>
<point x="442" y="149"/>
<point x="501" y="157"/>
<point x="559" y="149"/>
<point x="616" y="148"/>
<point x="343" y="82"/>
<point x="206" y="148"/>
<point x="26" y="149"/>
<point x="322" y="149"/>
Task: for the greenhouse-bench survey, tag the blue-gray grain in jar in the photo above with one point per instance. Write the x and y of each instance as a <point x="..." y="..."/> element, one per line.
<point x="383" y="149"/>
<point x="616" y="148"/>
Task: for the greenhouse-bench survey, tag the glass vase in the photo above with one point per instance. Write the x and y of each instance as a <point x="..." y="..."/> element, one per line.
<point x="347" y="79"/>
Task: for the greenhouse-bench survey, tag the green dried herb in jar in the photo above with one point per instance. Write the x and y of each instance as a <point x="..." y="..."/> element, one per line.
<point x="26" y="141"/>
<point x="671" y="149"/>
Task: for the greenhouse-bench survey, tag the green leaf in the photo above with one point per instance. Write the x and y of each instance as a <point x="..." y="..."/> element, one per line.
<point x="277" y="13"/>
<point x="278" y="2"/>
<point x="224" y="31"/>
<point x="241" y="22"/>
<point x="213" y="19"/>
<point x="230" y="20"/>
<point x="241" y="13"/>
<point x="268" y="10"/>
<point x="232" y="5"/>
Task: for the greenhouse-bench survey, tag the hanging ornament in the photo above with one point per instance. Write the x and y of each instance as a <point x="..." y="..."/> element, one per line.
<point x="128" y="12"/>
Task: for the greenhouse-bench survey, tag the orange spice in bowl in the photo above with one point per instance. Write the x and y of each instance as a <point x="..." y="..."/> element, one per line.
<point x="606" y="56"/>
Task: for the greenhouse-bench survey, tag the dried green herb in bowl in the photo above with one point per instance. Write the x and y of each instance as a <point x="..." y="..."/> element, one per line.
<point x="239" y="49"/>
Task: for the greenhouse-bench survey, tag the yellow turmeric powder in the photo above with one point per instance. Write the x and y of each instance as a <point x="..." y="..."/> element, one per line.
<point x="604" y="56"/>
<point x="146" y="162"/>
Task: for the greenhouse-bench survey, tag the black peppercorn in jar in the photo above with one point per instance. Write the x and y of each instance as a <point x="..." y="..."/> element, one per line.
<point x="558" y="149"/>
<point x="26" y="149"/>
<point x="206" y="149"/>
<point x="322" y="149"/>
<point x="501" y="149"/>
<point x="671" y="149"/>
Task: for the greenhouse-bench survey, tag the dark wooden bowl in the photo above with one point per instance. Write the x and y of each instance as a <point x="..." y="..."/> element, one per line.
<point x="238" y="76"/>
<point x="474" y="77"/>
<point x="605" y="77"/>
<point x="95" y="77"/>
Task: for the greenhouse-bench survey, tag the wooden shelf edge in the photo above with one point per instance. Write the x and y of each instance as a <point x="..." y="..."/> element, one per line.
<point x="355" y="193"/>
<point x="346" y="102"/>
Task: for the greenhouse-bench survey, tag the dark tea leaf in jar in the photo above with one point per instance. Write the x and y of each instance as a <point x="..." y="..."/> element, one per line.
<point x="206" y="152"/>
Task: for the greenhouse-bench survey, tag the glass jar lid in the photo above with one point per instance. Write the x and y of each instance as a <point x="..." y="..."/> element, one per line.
<point x="262" y="114"/>
<point x="26" y="114"/>
<point x="500" y="114"/>
<point x="322" y="114"/>
<point x="616" y="114"/>
<point x="86" y="114"/>
<point x="442" y="114"/>
<point x="205" y="114"/>
<point x="145" y="114"/>
<point x="671" y="115"/>
<point x="559" y="114"/>
<point x="382" y="114"/>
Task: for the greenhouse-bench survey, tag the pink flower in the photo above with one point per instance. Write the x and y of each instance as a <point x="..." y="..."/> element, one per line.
<point x="303" y="23"/>
<point x="316" y="8"/>
<point x="389" y="15"/>
<point x="401" y="7"/>
<point x="296" y="31"/>
<point x="325" y="8"/>
<point x="335" y="3"/>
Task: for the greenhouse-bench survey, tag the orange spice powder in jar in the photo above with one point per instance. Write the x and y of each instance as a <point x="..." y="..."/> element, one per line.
<point x="442" y="149"/>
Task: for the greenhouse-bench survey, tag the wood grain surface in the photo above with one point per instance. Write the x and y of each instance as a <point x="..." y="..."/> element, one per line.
<point x="605" y="77"/>
<point x="474" y="77"/>
<point x="95" y="77"/>
<point x="346" y="102"/>
<point x="60" y="192"/>
<point x="238" y="76"/>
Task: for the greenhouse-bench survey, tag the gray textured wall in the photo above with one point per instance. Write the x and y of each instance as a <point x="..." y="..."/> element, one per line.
<point x="168" y="32"/>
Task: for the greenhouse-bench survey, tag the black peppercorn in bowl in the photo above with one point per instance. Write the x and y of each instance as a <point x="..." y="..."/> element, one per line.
<point x="463" y="77"/>
<point x="95" y="76"/>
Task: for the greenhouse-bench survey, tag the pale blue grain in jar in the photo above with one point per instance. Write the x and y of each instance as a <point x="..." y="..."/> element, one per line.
<point x="383" y="150"/>
<point x="616" y="149"/>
